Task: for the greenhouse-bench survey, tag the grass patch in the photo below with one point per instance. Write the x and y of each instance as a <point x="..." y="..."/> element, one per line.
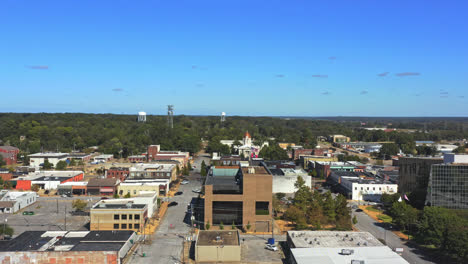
<point x="373" y="209"/>
<point x="385" y="218"/>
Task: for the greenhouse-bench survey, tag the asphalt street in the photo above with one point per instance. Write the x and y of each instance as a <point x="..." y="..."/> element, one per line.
<point x="367" y="224"/>
<point x="167" y="242"/>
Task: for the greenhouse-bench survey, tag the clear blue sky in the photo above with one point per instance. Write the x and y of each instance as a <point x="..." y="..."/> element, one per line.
<point x="307" y="58"/>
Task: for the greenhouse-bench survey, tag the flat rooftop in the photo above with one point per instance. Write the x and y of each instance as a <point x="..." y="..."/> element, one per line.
<point x="49" y="155"/>
<point x="254" y="170"/>
<point x="330" y="239"/>
<point x="113" y="204"/>
<point x="369" y="255"/>
<point x="214" y="238"/>
<point x="67" y="241"/>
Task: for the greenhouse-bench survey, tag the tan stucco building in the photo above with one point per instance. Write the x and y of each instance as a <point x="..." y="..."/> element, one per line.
<point x="118" y="216"/>
<point x="242" y="196"/>
<point x="218" y="246"/>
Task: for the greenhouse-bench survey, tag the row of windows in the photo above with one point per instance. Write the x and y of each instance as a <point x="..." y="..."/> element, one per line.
<point x="125" y="216"/>
<point x="362" y="188"/>
<point x="124" y="226"/>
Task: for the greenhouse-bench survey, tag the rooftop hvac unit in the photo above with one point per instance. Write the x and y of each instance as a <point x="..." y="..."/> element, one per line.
<point x="347" y="252"/>
<point x="354" y="261"/>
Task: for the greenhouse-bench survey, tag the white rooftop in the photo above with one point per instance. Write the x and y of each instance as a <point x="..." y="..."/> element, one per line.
<point x="369" y="255"/>
<point x="320" y="239"/>
<point x="152" y="166"/>
<point x="48" y="154"/>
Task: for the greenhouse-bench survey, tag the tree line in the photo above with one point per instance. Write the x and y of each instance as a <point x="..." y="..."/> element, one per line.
<point x="431" y="226"/>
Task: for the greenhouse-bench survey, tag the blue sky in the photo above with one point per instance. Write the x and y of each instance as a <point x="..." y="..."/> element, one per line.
<point x="299" y="58"/>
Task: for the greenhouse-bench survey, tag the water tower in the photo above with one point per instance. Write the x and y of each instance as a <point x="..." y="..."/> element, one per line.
<point x="223" y="117"/>
<point x="141" y="116"/>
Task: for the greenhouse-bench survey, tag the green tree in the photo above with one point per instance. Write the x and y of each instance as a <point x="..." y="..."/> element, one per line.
<point x="295" y="215"/>
<point x="221" y="226"/>
<point x="72" y="163"/>
<point x="388" y="150"/>
<point x="460" y="150"/>
<point x="329" y="207"/>
<point x="203" y="169"/>
<point x="61" y="165"/>
<point x="233" y="226"/>
<point x="35" y="188"/>
<point x="433" y="225"/>
<point x="6" y="230"/>
<point x="127" y="195"/>
<point x="273" y="152"/>
<point x="207" y="225"/>
<point x="403" y="215"/>
<point x="354" y="220"/>
<point x="47" y="165"/>
<point x="79" y="205"/>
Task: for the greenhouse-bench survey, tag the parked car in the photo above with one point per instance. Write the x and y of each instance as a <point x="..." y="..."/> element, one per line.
<point x="178" y="193"/>
<point x="28" y="213"/>
<point x="104" y="198"/>
<point x="196" y="190"/>
<point x="184" y="182"/>
<point x="271" y="247"/>
<point x="172" y="204"/>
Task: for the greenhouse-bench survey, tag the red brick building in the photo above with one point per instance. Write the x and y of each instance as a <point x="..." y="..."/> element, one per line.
<point x="117" y="172"/>
<point x="5" y="174"/>
<point x="9" y="154"/>
<point x="155" y="153"/>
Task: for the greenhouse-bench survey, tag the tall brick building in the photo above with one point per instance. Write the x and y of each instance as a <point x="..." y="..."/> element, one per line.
<point x="242" y="196"/>
<point x="154" y="152"/>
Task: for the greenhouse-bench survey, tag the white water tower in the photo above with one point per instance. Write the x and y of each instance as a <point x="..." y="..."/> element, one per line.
<point x="141" y="116"/>
<point x="223" y="116"/>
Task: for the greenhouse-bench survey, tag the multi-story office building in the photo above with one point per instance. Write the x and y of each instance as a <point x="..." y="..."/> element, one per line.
<point x="123" y="214"/>
<point x="448" y="183"/>
<point x="242" y="196"/>
<point x="414" y="173"/>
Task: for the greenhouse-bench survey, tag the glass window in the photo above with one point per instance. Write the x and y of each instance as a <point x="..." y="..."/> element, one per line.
<point x="137" y="226"/>
<point x="373" y="188"/>
<point x="124" y="226"/>
<point x="261" y="208"/>
<point x="355" y="188"/>
<point x="116" y="226"/>
<point x="130" y="226"/>
<point x="130" y="216"/>
<point x="124" y="217"/>
<point x="116" y="217"/>
<point x="134" y="191"/>
<point x="367" y="188"/>
<point x="137" y="217"/>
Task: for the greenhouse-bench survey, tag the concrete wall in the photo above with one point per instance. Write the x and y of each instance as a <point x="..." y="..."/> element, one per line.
<point x="285" y="184"/>
<point x="217" y="253"/>
<point x="59" y="257"/>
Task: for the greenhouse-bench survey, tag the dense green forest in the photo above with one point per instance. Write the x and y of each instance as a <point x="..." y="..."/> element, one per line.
<point x="122" y="134"/>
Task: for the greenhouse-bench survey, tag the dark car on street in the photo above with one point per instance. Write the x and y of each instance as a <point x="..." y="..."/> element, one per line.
<point x="172" y="204"/>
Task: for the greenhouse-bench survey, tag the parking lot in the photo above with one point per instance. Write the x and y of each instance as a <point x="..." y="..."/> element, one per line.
<point x="254" y="251"/>
<point x="49" y="214"/>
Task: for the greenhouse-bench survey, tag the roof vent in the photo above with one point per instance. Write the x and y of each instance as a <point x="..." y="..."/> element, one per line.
<point x="354" y="261"/>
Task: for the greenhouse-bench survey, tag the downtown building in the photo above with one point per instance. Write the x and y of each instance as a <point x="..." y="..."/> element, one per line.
<point x="239" y="195"/>
<point x="448" y="183"/>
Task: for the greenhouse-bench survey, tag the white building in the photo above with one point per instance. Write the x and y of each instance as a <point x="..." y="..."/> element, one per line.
<point x="362" y="185"/>
<point x="135" y="187"/>
<point x="336" y="247"/>
<point x="247" y="149"/>
<point x="12" y="202"/>
<point x="103" y="157"/>
<point x="38" y="159"/>
<point x="285" y="178"/>
<point x="48" y="180"/>
<point x="148" y="198"/>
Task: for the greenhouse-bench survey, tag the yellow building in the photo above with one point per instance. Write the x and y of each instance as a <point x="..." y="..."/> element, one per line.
<point x="339" y="139"/>
<point x="134" y="187"/>
<point x="309" y="161"/>
<point x="286" y="145"/>
<point x="118" y="216"/>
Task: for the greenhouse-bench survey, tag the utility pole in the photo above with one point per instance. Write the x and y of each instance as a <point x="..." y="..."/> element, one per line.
<point x="65" y="218"/>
